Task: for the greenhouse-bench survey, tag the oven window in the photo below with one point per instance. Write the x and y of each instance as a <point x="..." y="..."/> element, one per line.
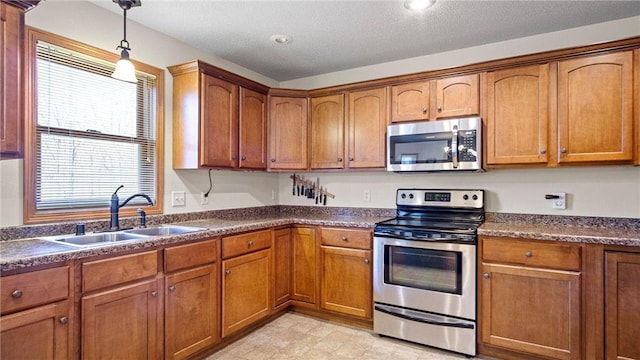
<point x="435" y="270"/>
<point x="420" y="149"/>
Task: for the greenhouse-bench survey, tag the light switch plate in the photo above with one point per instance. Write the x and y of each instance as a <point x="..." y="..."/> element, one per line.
<point x="178" y="198"/>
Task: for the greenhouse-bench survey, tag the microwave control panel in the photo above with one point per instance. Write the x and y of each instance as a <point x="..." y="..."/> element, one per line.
<point x="467" y="149"/>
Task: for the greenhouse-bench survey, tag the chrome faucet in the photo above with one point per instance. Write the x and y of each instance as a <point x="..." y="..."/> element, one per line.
<point x="114" y="223"/>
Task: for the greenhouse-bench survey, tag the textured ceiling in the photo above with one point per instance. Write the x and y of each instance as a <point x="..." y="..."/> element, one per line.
<point x="333" y="35"/>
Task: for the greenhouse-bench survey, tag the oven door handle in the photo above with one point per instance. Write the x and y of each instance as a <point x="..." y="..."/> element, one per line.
<point x="424" y="318"/>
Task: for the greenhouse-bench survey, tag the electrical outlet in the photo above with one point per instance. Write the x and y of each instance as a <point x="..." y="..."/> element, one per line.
<point x="204" y="200"/>
<point x="178" y="198"/>
<point x="367" y="195"/>
<point x="560" y="203"/>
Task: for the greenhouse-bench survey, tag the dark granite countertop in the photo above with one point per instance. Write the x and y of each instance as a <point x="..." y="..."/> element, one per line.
<point x="25" y="253"/>
<point x="21" y="247"/>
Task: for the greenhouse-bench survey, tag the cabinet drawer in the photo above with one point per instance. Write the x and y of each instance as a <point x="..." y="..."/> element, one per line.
<point x="34" y="288"/>
<point x="245" y="243"/>
<point x="350" y="238"/>
<point x="531" y="253"/>
<point x="190" y="255"/>
<point x="104" y="273"/>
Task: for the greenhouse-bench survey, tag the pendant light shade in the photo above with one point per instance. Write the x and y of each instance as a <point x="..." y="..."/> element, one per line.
<point x="125" y="70"/>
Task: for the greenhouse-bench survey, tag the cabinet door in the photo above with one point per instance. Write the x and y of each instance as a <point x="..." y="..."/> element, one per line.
<point x="123" y="323"/>
<point x="246" y="290"/>
<point x="253" y="130"/>
<point x="517" y="115"/>
<point x="410" y="102"/>
<point x="282" y="266"/>
<point x="595" y="108"/>
<point x="327" y="132"/>
<point x="368" y="120"/>
<point x="521" y="305"/>
<point x="191" y="311"/>
<point x="347" y="281"/>
<point x="304" y="265"/>
<point x="11" y="24"/>
<point x="38" y="333"/>
<point x="622" y="305"/>
<point x="219" y="112"/>
<point x="287" y="133"/>
<point x="457" y="96"/>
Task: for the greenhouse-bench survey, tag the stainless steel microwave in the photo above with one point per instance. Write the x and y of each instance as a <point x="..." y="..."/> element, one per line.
<point x="442" y="145"/>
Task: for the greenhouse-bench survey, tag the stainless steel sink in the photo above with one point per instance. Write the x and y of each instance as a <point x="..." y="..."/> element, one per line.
<point x="95" y="239"/>
<point x="164" y="230"/>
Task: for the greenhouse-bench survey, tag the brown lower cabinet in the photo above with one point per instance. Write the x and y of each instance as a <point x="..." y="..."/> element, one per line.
<point x="622" y="305"/>
<point x="304" y="264"/>
<point x="246" y="290"/>
<point x="530" y="298"/>
<point x="281" y="267"/>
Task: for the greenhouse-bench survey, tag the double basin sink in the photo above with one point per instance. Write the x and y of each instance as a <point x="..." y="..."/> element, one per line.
<point x="106" y="238"/>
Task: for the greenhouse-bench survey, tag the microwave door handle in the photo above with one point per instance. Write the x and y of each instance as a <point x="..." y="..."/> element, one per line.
<point x="454" y="146"/>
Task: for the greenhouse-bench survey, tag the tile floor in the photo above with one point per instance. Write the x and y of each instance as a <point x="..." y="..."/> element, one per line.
<point x="296" y="336"/>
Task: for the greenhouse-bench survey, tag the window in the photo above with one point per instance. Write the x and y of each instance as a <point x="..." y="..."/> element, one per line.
<point x="88" y="133"/>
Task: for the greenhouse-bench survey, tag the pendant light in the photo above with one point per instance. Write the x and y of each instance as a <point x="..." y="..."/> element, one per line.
<point x="124" y="68"/>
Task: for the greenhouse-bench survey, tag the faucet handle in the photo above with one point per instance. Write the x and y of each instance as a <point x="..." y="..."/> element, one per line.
<point x="143" y="218"/>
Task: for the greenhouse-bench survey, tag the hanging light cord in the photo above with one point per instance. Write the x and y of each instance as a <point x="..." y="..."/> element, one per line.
<point x="124" y="44"/>
<point x="210" y="185"/>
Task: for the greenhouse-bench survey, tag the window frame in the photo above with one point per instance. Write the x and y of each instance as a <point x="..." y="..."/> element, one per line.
<point x="30" y="213"/>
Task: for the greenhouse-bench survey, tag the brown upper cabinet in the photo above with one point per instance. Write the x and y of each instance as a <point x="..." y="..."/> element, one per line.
<point x="327" y="132"/>
<point x="435" y="99"/>
<point x="288" y="131"/>
<point x="11" y="83"/>
<point x="517" y="115"/>
<point x="219" y="119"/>
<point x="595" y="108"/>
<point x="367" y="123"/>
<point x="593" y="122"/>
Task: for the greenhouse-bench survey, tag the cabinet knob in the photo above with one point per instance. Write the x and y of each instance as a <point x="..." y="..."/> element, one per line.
<point x="344" y="238"/>
<point x="424" y="110"/>
<point x="528" y="254"/>
<point x="350" y="159"/>
<point x="366" y="261"/>
<point x="243" y="158"/>
<point x="227" y="272"/>
<point x="543" y="151"/>
<point x="439" y="108"/>
<point x="486" y="275"/>
<point x="233" y="157"/>
<point x="63" y="320"/>
<point x="154" y="293"/>
<point x="250" y="243"/>
<point x="273" y="160"/>
<point x="563" y="150"/>
<point x="16" y="294"/>
<point x="172" y="288"/>
<point x="339" y="159"/>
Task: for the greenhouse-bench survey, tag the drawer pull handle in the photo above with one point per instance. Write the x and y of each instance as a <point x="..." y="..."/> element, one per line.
<point x="486" y="275"/>
<point x="250" y="243"/>
<point x="366" y="261"/>
<point x="64" y="320"/>
<point x="528" y="254"/>
<point x="344" y="238"/>
<point x="228" y="272"/>
<point x="154" y="293"/>
<point x="172" y="288"/>
<point x="16" y="294"/>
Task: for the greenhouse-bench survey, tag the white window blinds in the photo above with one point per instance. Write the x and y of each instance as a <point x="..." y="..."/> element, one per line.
<point x="93" y="133"/>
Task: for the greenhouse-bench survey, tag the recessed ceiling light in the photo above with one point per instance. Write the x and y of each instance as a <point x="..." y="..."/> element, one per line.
<point x="416" y="5"/>
<point x="281" y="39"/>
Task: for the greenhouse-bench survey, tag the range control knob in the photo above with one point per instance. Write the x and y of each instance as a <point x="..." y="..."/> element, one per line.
<point x="475" y="197"/>
<point x="465" y="197"/>
<point x="410" y="196"/>
<point x="403" y="195"/>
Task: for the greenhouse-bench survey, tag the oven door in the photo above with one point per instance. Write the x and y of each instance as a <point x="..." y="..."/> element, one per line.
<point x="438" y="277"/>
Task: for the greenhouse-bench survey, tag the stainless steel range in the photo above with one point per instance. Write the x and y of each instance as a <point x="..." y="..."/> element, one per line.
<point x="424" y="281"/>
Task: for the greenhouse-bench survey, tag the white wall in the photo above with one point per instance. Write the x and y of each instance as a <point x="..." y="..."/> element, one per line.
<point x="518" y="191"/>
